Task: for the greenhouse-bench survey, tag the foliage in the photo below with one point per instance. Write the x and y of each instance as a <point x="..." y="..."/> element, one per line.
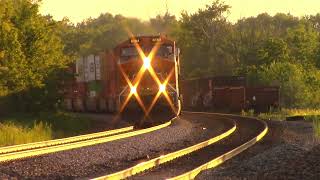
<point x="203" y="39"/>
<point x="12" y="134"/>
<point x="310" y="114"/>
<point x="316" y="126"/>
<point x="25" y="128"/>
<point x="280" y="50"/>
<point x="32" y="52"/>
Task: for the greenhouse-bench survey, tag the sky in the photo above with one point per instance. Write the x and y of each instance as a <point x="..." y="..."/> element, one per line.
<point x="78" y="10"/>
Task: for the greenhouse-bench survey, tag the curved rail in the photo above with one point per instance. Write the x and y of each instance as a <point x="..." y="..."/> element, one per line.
<point x="22" y="147"/>
<point x="219" y="160"/>
<point x="62" y="147"/>
<point x="165" y="158"/>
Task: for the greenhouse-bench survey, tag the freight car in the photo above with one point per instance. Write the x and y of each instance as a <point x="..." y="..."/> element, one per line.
<point x="228" y="93"/>
<point x="139" y="74"/>
<point x="201" y="91"/>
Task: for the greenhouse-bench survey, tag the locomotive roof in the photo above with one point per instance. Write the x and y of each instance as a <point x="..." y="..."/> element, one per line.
<point x="163" y="39"/>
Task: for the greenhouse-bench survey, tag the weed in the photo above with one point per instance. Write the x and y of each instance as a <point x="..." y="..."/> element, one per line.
<point x="26" y="128"/>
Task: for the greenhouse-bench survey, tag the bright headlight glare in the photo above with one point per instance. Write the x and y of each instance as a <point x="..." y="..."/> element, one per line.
<point x="162" y="88"/>
<point x="133" y="90"/>
<point x="146" y="62"/>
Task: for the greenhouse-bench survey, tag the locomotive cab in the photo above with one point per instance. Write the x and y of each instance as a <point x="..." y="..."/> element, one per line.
<point x="148" y="78"/>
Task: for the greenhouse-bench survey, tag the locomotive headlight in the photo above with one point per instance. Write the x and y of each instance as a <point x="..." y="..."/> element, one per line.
<point x="146" y="62"/>
<point x="133" y="90"/>
<point x="162" y="88"/>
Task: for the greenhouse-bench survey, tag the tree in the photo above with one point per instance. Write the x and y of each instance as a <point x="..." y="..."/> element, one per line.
<point x="303" y="41"/>
<point x="290" y="78"/>
<point x="273" y="50"/>
<point x="165" y="24"/>
<point x="203" y="40"/>
<point x="32" y="52"/>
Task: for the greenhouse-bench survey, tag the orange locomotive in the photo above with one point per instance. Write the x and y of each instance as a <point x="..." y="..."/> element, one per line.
<point x="144" y="75"/>
<point x="140" y="74"/>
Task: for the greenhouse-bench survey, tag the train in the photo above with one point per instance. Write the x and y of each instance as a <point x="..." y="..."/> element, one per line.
<point x="141" y="78"/>
<point x="141" y="74"/>
<point x="228" y="94"/>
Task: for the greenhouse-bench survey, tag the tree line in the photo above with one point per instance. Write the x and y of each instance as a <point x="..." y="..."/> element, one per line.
<point x="281" y="50"/>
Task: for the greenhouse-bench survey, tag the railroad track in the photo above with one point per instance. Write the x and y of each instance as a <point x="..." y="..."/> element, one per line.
<point x="39" y="148"/>
<point x="188" y="162"/>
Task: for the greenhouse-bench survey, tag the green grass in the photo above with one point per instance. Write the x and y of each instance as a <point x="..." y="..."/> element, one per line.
<point x="26" y="128"/>
<point x="281" y="115"/>
<point x="11" y="134"/>
<point x="315" y="119"/>
<point x="311" y="115"/>
<point x="316" y="127"/>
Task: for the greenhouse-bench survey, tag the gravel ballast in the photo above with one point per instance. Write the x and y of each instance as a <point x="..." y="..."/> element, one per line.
<point x="246" y="130"/>
<point x="289" y="151"/>
<point x="110" y="157"/>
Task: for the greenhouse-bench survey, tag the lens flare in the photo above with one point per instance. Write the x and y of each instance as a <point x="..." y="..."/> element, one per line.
<point x="133" y="83"/>
<point x="162" y="88"/>
<point x="146" y="62"/>
<point x="133" y="90"/>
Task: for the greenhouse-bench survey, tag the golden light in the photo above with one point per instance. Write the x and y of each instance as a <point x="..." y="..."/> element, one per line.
<point x="146" y="67"/>
<point x="133" y="90"/>
<point x="146" y="62"/>
<point x="162" y="88"/>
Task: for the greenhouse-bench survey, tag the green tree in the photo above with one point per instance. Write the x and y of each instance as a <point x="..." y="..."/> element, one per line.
<point x="290" y="78"/>
<point x="303" y="41"/>
<point x="204" y="41"/>
<point x="273" y="50"/>
<point x="165" y="24"/>
<point x="32" y="52"/>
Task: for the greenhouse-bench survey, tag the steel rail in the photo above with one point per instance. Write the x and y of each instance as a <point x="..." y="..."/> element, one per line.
<point x="63" y="147"/>
<point x="226" y="156"/>
<point x="22" y="147"/>
<point x="165" y="158"/>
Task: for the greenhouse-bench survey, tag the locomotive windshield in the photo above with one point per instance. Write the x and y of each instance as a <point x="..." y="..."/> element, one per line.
<point x="165" y="51"/>
<point x="129" y="51"/>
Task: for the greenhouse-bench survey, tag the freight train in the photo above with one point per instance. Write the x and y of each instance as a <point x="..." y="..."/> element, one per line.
<point x="140" y="74"/>
<point x="228" y="93"/>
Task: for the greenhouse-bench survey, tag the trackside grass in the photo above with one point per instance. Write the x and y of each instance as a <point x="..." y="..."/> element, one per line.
<point x="316" y="124"/>
<point x="311" y="115"/>
<point x="11" y="134"/>
<point x="281" y="115"/>
<point x="26" y="128"/>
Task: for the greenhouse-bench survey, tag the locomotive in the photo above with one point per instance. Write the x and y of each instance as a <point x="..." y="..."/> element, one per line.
<point x="140" y="74"/>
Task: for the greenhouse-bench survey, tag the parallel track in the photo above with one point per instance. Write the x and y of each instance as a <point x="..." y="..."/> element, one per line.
<point x="191" y="150"/>
<point x="225" y="156"/>
<point x="23" y="147"/>
<point x="35" y="149"/>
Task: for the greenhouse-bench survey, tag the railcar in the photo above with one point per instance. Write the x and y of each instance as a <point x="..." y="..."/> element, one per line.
<point x="228" y="93"/>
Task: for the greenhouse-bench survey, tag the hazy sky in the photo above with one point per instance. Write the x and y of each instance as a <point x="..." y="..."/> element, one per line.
<point x="78" y="10"/>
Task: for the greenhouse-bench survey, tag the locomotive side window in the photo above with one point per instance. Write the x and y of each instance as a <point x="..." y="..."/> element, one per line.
<point x="165" y="51"/>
